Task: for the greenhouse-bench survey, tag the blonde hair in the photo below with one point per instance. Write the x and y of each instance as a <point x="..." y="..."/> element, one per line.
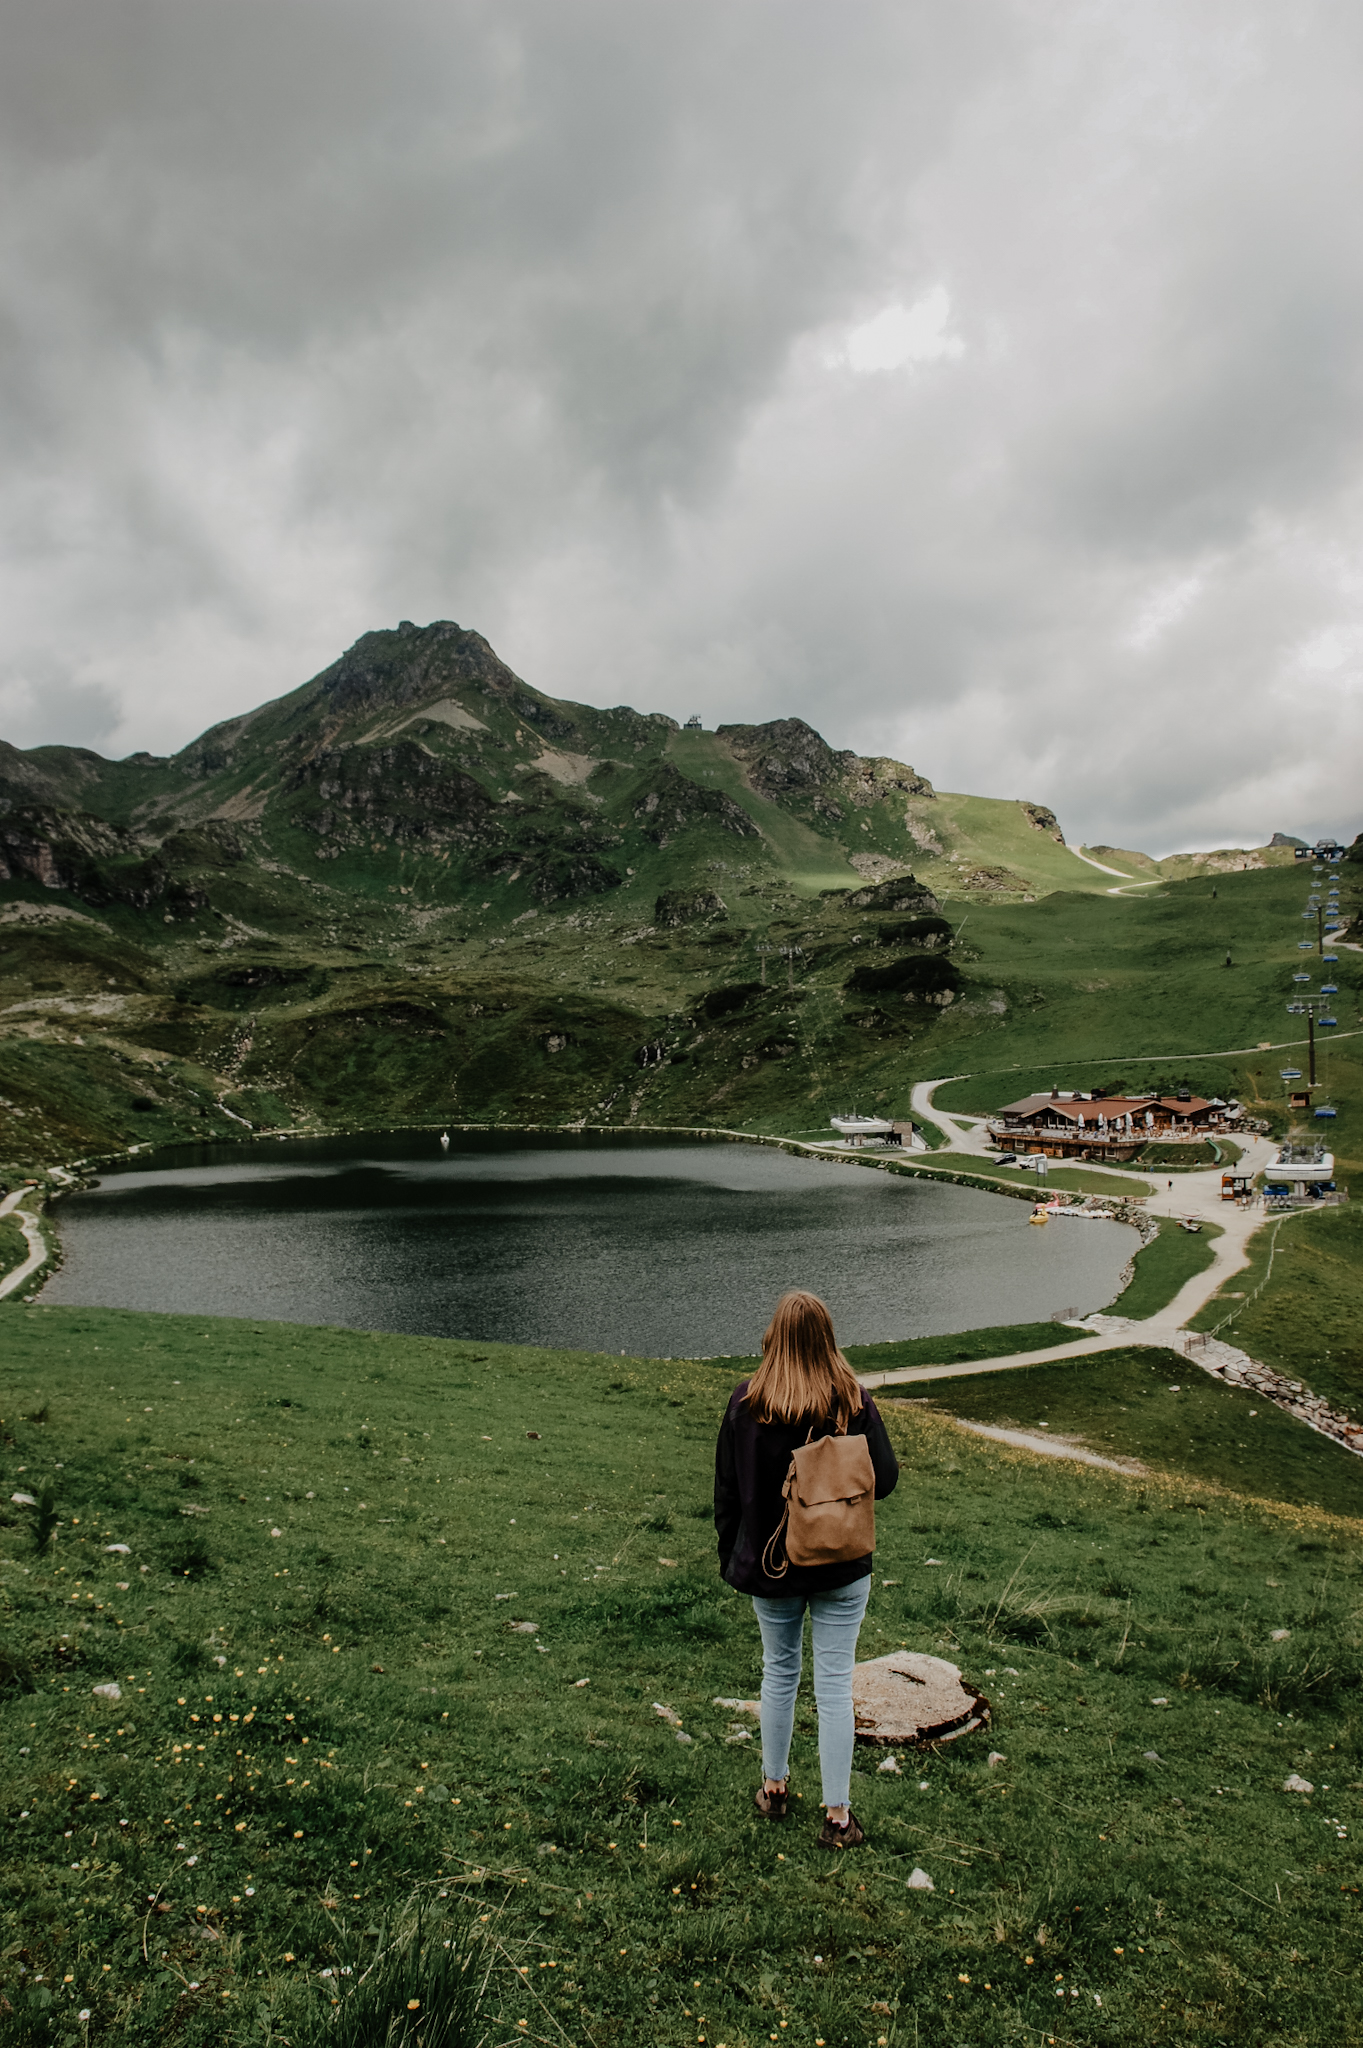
<point x="802" y="1373"/>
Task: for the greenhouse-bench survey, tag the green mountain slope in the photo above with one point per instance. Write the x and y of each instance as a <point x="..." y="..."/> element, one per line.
<point x="417" y="889"/>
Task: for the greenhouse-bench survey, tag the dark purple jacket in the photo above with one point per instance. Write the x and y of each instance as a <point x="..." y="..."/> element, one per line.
<point x="751" y="1462"/>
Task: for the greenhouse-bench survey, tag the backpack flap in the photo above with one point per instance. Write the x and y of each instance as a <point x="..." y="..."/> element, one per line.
<point x="831" y="1500"/>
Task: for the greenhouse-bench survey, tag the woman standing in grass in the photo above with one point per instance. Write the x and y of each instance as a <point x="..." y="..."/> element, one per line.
<point x="803" y="1390"/>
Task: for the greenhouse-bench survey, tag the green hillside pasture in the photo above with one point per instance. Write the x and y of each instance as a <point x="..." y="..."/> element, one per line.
<point x="999" y="834"/>
<point x="1122" y="1404"/>
<point x="13" y="1245"/>
<point x="809" y="861"/>
<point x="1113" y="992"/>
<point x="1306" y="1321"/>
<point x="328" y="1713"/>
<point x="1164" y="1265"/>
<point x="958" y="1347"/>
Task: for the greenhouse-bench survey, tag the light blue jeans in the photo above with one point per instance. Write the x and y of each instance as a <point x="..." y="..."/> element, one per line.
<point x="836" y="1619"/>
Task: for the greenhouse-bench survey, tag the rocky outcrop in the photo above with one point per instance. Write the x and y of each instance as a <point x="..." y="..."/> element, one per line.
<point x="878" y="779"/>
<point x="88" y="858"/>
<point x="398" y="792"/>
<point x="687" y="906"/>
<point x="1042" y="820"/>
<point x="672" y="802"/>
<point x="560" y="876"/>
<point x="902" y="892"/>
<point x="787" y="761"/>
<point x="917" y="978"/>
<point x="929" y="934"/>
<point x="993" y="881"/>
<point x="785" y="758"/>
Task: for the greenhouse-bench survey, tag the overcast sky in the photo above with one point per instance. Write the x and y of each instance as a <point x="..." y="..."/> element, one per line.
<point x="980" y="381"/>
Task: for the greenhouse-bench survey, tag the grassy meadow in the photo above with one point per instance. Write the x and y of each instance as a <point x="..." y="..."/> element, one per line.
<point x="1306" y="1319"/>
<point x="389" y="1632"/>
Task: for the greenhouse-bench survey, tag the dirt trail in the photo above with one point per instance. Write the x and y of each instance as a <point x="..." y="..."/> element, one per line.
<point x="33" y="1237"/>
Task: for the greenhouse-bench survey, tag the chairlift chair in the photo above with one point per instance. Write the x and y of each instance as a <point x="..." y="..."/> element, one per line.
<point x="1290" y="1073"/>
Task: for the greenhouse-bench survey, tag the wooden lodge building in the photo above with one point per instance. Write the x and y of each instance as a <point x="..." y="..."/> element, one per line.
<point x="1068" y="1125"/>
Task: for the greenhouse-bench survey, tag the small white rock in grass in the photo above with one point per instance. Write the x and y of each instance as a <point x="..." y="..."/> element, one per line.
<point x="1160" y="1702"/>
<point x="220" y="1662"/>
<point x="276" y="1532"/>
<point x="932" y="1560"/>
<point x="737" y="1734"/>
<point x="107" y="1692"/>
<point x="996" y="1757"/>
<point x="668" y="1714"/>
<point x="122" y="1586"/>
<point x="919" y="1881"/>
<point x="1280" y="1635"/>
<point x="922" y="1784"/>
<point x="1152" y="1756"/>
<point x="1292" y="1784"/>
<point x="118" y="1550"/>
<point x="753" y="1707"/>
<point x="682" y="1736"/>
<point x="525" y="1628"/>
<point x="578" y="1683"/>
<point x="23" y="1500"/>
<point x="890" y="1767"/>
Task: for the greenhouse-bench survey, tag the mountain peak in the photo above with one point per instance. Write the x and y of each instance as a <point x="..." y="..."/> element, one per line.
<point x="408" y="664"/>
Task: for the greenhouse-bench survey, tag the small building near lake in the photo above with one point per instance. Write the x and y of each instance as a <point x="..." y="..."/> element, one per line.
<point x="1067" y="1124"/>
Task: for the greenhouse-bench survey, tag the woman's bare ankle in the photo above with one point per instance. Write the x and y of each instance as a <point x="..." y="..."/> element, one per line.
<point x="838" y="1815"/>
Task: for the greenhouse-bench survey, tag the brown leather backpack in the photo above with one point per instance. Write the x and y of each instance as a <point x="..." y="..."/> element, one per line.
<point x="830" y="1513"/>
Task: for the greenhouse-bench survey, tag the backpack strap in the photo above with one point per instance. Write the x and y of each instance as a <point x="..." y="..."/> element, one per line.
<point x="776" y="1546"/>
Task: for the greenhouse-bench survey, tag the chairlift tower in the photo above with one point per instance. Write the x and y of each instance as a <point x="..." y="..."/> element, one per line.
<point x="1315" y="1008"/>
<point x="791" y="954"/>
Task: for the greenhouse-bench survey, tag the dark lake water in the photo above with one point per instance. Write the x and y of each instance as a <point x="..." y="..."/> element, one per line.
<point x="663" y="1249"/>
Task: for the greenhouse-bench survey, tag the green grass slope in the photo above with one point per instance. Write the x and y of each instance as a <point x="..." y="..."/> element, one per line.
<point x="1305" y="1321"/>
<point x="1151" y="1406"/>
<point x="328" y="1713"/>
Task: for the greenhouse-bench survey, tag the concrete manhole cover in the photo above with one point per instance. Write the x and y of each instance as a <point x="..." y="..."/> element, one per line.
<point x="910" y="1698"/>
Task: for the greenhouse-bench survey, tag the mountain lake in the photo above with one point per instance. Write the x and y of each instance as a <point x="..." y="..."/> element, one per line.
<point x="637" y="1243"/>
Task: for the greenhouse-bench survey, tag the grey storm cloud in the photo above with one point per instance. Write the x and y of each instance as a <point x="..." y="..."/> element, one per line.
<point x="981" y="383"/>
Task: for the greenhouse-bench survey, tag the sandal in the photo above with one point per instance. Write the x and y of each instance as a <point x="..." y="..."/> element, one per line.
<point x="849" y="1836"/>
<point x="773" y="1804"/>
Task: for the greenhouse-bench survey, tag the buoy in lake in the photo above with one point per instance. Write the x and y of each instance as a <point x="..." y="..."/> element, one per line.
<point x="444" y="1141"/>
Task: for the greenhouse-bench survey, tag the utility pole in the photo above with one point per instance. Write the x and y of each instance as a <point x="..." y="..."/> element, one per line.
<point x="762" y="952"/>
<point x="792" y="953"/>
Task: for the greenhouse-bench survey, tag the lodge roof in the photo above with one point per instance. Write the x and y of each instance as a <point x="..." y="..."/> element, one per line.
<point x="1110" y="1106"/>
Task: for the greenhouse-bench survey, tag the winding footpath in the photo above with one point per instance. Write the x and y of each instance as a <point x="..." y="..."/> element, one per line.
<point x="11" y="1282"/>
